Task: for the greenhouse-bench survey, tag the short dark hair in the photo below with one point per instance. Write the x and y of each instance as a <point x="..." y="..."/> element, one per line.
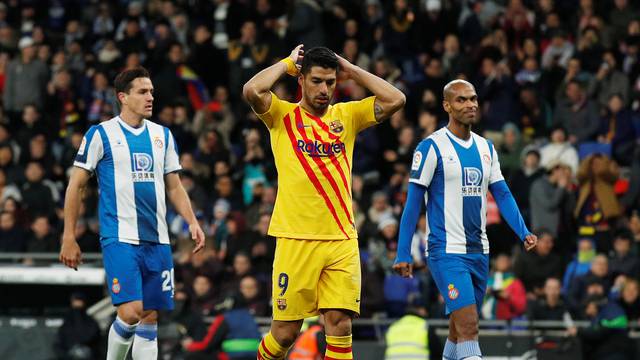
<point x="122" y="83"/>
<point x="319" y="56"/>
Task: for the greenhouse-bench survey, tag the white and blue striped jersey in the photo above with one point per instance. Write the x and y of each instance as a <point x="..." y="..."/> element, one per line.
<point x="130" y="164"/>
<point x="457" y="174"/>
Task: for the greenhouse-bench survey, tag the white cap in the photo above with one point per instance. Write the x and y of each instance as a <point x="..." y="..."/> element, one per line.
<point x="25" y="42"/>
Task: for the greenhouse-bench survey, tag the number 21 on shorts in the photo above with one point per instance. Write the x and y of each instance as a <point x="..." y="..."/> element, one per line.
<point x="167" y="281"/>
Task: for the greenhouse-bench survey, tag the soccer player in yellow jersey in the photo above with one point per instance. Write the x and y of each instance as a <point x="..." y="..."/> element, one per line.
<point x="317" y="263"/>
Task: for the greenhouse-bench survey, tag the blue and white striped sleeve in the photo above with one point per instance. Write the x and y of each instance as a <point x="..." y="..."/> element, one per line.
<point x="171" y="157"/>
<point x="424" y="163"/>
<point x="496" y="173"/>
<point x="90" y="151"/>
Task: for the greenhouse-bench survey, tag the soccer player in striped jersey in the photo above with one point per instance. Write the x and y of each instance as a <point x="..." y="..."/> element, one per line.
<point x="136" y="164"/>
<point x="317" y="264"/>
<point x="451" y="172"/>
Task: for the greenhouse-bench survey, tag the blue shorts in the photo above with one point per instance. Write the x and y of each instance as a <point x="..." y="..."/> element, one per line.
<point x="460" y="278"/>
<point x="139" y="272"/>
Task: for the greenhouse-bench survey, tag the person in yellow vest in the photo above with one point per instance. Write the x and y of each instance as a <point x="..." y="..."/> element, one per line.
<point x="311" y="343"/>
<point x="408" y="337"/>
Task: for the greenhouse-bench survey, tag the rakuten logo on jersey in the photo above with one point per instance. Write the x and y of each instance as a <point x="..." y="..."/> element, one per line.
<point x="320" y="149"/>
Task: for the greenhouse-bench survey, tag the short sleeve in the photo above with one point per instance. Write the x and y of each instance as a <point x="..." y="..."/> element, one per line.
<point x="275" y="113"/>
<point x="424" y="163"/>
<point x="362" y="113"/>
<point x="496" y="173"/>
<point x="90" y="151"/>
<point x="171" y="157"/>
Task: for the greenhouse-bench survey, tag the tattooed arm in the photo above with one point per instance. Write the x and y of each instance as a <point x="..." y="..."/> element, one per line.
<point x="388" y="98"/>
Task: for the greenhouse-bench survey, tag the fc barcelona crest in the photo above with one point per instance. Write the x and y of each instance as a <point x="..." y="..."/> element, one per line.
<point x="281" y="303"/>
<point x="336" y="126"/>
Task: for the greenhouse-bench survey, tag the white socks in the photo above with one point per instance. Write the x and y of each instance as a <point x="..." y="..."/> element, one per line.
<point x="468" y="350"/>
<point x="120" y="339"/>
<point x="145" y="343"/>
<point x="143" y="336"/>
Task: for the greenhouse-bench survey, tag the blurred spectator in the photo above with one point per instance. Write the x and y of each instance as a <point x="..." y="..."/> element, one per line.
<point x="241" y="267"/>
<point x="26" y="78"/>
<point x="616" y="128"/>
<point x="233" y="334"/>
<point x="521" y="181"/>
<point x="630" y="299"/>
<point x="36" y="193"/>
<point x="311" y="344"/>
<point x="551" y="305"/>
<point x="41" y="239"/>
<point x="607" y="336"/>
<point x="8" y="190"/>
<point x="621" y="261"/>
<point x="254" y="297"/>
<point x="255" y="163"/>
<point x="32" y="124"/>
<point x="590" y="49"/>
<point x="247" y="56"/>
<point x="609" y="80"/>
<point x="79" y="336"/>
<point x="12" y="238"/>
<point x="574" y="72"/>
<point x="169" y="87"/>
<point x="305" y="23"/>
<point x="620" y="16"/>
<point x="535" y="114"/>
<point x="102" y="98"/>
<point x="496" y="90"/>
<point x="597" y="205"/>
<point x="189" y="265"/>
<point x="548" y="198"/>
<point x="13" y="171"/>
<point x="577" y="114"/>
<point x="205" y="59"/>
<point x="596" y="282"/>
<point x="559" y="51"/>
<point x="453" y="61"/>
<point x="510" y="150"/>
<point x="559" y="150"/>
<point x="62" y="104"/>
<point x="506" y="297"/>
<point x="580" y="265"/>
<point x="410" y="336"/>
<point x="203" y="297"/>
<point x="545" y="263"/>
<point x="217" y="116"/>
<point x="211" y="148"/>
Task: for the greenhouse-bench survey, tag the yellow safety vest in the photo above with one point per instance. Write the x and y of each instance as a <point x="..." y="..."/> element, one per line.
<point x="408" y="339"/>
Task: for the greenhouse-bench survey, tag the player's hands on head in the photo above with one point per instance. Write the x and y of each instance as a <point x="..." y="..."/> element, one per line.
<point x="344" y="67"/>
<point x="197" y="235"/>
<point x="297" y="55"/>
<point x="404" y="269"/>
<point x="530" y="242"/>
<point x="70" y="254"/>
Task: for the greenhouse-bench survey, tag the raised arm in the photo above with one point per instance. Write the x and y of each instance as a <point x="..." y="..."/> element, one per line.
<point x="257" y="91"/>
<point x="70" y="253"/>
<point x="388" y="98"/>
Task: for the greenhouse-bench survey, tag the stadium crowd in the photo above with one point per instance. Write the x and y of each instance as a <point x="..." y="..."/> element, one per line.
<point x="559" y="90"/>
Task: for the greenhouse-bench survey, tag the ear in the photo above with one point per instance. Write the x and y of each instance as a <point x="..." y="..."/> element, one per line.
<point x="121" y="97"/>
<point x="446" y="106"/>
<point x="300" y="80"/>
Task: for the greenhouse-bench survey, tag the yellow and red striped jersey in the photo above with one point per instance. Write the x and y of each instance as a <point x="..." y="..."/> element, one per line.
<point x="313" y="157"/>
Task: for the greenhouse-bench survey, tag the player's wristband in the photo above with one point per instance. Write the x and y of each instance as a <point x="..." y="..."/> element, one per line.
<point x="292" y="69"/>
